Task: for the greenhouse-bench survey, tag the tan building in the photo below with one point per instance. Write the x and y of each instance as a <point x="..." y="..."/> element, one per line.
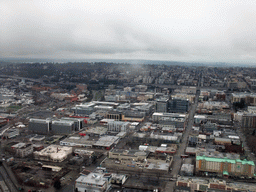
<point x="223" y="164"/>
<point x="249" y="98"/>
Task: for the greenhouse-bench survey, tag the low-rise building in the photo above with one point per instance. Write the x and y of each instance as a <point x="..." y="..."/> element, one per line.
<point x="11" y="133"/>
<point x="176" y="119"/>
<point x="96" y="131"/>
<point x="106" y="142"/>
<point x="134" y="155"/>
<point x="54" y="153"/>
<point x="96" y="182"/>
<point x="77" y="142"/>
<point x="23" y="149"/>
<point x="199" y="184"/>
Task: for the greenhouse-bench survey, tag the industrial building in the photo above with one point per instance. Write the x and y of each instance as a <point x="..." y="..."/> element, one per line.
<point x="118" y="126"/>
<point x="39" y="125"/>
<point x="223" y="164"/>
<point x="54" y="153"/>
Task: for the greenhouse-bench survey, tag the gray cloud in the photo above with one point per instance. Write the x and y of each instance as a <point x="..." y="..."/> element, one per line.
<point x="187" y="30"/>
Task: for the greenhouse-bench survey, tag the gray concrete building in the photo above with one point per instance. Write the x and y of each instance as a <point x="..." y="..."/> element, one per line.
<point x="39" y="125"/>
<point x="63" y="127"/>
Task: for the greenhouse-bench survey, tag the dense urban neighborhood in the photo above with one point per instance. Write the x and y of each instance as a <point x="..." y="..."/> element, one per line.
<point x="112" y="127"/>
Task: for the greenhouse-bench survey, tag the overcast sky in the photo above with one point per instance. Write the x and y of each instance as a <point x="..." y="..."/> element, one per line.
<point x="175" y="30"/>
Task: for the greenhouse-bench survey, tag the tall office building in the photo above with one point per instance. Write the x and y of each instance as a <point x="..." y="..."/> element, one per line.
<point x="178" y="105"/>
<point x="161" y="105"/>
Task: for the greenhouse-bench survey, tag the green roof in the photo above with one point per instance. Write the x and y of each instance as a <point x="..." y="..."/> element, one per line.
<point x="225" y="173"/>
<point x="213" y="159"/>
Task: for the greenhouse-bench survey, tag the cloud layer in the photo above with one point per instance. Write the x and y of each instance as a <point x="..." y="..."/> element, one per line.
<point x="184" y="30"/>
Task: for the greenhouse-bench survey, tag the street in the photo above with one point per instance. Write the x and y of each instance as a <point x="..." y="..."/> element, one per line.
<point x="177" y="160"/>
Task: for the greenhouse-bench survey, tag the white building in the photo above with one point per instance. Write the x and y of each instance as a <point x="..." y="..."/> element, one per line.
<point x="118" y="126"/>
<point x="92" y="182"/>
